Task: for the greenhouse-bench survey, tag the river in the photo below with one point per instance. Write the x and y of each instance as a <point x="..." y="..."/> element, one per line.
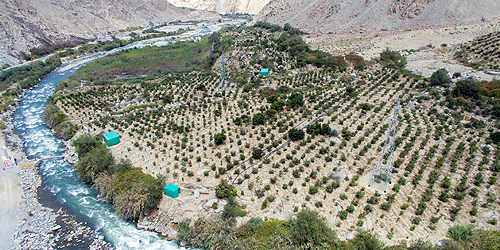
<point x="60" y="176"/>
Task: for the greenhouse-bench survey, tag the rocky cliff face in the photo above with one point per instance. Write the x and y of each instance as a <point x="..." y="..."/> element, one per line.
<point x="223" y="6"/>
<point x="25" y="24"/>
<point x="376" y="15"/>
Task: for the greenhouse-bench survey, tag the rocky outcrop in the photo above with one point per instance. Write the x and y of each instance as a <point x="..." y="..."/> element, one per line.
<point x="377" y="15"/>
<point x="25" y="24"/>
<point x="223" y="6"/>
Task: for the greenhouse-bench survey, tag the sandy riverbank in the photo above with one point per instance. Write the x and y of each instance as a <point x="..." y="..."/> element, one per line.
<point x="11" y="212"/>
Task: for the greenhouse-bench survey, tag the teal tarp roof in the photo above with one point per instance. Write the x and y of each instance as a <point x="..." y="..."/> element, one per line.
<point x="172" y="187"/>
<point x="264" y="71"/>
<point x="110" y="135"/>
<point x="172" y="190"/>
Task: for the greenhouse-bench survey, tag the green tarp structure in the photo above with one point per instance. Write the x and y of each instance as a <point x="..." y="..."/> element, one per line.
<point x="111" y="138"/>
<point x="172" y="190"/>
<point x="264" y="72"/>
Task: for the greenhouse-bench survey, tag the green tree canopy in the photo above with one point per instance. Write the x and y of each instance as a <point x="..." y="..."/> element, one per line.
<point x="495" y="136"/>
<point x="84" y="143"/>
<point x="295" y="100"/>
<point x="98" y="160"/>
<point x="225" y="190"/>
<point x="366" y="240"/>
<point x="309" y="227"/>
<point x="259" y="119"/>
<point x="296" y="134"/>
<point x="135" y="192"/>
<point x="392" y="59"/>
<point x="440" y="77"/>
<point x="468" y="88"/>
<point x="219" y="138"/>
<point x="257" y="153"/>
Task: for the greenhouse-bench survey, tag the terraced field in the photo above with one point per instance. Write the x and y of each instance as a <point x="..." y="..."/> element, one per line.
<point x="445" y="167"/>
<point x="483" y="52"/>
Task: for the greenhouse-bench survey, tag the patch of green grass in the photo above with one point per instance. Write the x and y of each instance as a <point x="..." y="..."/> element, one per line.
<point x="261" y="231"/>
<point x="183" y="56"/>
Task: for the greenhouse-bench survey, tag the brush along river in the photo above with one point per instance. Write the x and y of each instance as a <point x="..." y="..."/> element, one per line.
<point x="60" y="177"/>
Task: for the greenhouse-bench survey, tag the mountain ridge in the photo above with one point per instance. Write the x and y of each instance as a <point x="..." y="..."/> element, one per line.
<point x="223" y="6"/>
<point x="28" y="24"/>
<point x="373" y="15"/>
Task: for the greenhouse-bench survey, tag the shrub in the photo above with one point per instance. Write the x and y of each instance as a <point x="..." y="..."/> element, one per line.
<point x="416" y="220"/>
<point x="493" y="221"/>
<point x="346" y="134"/>
<point x="251" y="227"/>
<point x="350" y="209"/>
<point x="461" y="232"/>
<point x="295" y="100"/>
<point x="257" y="153"/>
<point x="264" y="204"/>
<point x="468" y="88"/>
<point x="259" y="119"/>
<point x="343" y="214"/>
<point x="309" y="227"/>
<point x="231" y="209"/>
<point x="313" y="189"/>
<point x="225" y="190"/>
<point x="94" y="162"/>
<point x="296" y="134"/>
<point x="495" y="136"/>
<point x="473" y="211"/>
<point x="185" y="231"/>
<point x="440" y="77"/>
<point x="135" y="193"/>
<point x="219" y="138"/>
<point x="366" y="240"/>
<point x="392" y="59"/>
<point x="318" y="204"/>
<point x="421" y="244"/>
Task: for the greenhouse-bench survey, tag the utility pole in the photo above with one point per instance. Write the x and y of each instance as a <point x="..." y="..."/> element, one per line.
<point x="222" y="72"/>
<point x="383" y="170"/>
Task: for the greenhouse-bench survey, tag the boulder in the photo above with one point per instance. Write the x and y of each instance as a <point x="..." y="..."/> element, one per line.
<point x="350" y="236"/>
<point x="339" y="175"/>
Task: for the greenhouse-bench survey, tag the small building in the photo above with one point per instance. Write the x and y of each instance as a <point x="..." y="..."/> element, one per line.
<point x="172" y="190"/>
<point x="264" y="72"/>
<point x="111" y="138"/>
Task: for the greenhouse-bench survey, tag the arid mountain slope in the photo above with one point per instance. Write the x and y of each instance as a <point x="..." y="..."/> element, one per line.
<point x="377" y="15"/>
<point x="25" y="24"/>
<point x="223" y="6"/>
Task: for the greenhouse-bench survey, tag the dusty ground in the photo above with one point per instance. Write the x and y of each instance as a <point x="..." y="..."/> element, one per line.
<point x="10" y="193"/>
<point x="162" y="155"/>
<point x="10" y="196"/>
<point x="188" y="206"/>
<point x="171" y="28"/>
<point x="429" y="55"/>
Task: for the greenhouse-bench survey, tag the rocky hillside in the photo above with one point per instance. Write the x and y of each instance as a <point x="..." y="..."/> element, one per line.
<point x="223" y="6"/>
<point x="25" y="24"/>
<point x="377" y="15"/>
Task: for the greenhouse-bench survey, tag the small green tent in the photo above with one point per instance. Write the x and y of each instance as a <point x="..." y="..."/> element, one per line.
<point x="111" y="138"/>
<point x="264" y="72"/>
<point x="172" y="190"/>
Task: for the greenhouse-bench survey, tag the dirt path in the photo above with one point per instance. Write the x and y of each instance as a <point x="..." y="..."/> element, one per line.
<point x="10" y="196"/>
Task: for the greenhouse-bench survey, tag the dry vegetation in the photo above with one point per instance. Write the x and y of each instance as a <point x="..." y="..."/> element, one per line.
<point x="445" y="165"/>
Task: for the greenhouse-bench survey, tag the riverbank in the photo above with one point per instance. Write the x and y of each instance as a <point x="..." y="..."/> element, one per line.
<point x="26" y="223"/>
<point x="11" y="192"/>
